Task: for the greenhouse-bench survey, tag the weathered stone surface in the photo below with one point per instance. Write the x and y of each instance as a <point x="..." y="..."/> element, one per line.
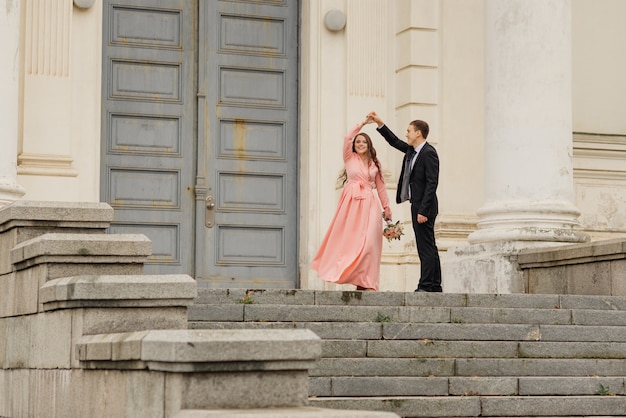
<point x="441" y="349"/>
<point x="389" y="386"/>
<point x="383" y="367"/>
<point x="540" y="367"/>
<point x="594" y="268"/>
<point x="487" y="332"/>
<point x="200" y="346"/>
<point x="216" y="312"/>
<point x="105" y="290"/>
<point x="423" y="406"/>
<point x="511" y="316"/>
<point x="344" y="348"/>
<point x="553" y="406"/>
<point x="582" y="333"/>
<point x="88" y="247"/>
<point x="592" y="385"/>
<point x="291" y="412"/>
<point x="512" y="300"/>
<point x="485" y="386"/>
<point x="581" y="350"/>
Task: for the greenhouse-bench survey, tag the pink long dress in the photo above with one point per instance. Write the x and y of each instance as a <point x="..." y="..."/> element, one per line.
<point x="351" y="250"/>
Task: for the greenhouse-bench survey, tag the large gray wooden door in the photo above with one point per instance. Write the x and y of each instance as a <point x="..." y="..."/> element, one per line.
<point x="199" y="135"/>
<point x="148" y="119"/>
<point x="247" y="150"/>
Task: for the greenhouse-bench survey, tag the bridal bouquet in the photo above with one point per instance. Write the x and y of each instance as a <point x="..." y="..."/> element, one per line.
<point x="392" y="231"/>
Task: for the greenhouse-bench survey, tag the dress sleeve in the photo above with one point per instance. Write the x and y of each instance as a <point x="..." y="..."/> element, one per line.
<point x="347" y="142"/>
<point x="381" y="189"/>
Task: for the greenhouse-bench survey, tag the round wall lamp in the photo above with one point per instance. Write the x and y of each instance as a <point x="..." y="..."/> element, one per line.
<point x="84" y="4"/>
<point x="335" y="20"/>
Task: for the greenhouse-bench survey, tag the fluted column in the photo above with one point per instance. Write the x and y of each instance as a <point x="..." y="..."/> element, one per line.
<point x="529" y="188"/>
<point x="10" y="190"/>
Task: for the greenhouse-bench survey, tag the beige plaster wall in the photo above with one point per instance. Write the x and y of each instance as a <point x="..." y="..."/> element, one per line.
<point x="59" y="145"/>
<point x="599" y="103"/>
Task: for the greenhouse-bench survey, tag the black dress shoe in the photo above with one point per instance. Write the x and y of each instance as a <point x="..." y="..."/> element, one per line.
<point x="419" y="290"/>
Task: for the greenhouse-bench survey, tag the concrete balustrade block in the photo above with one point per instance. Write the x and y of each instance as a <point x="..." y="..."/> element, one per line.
<point x="4" y="324"/>
<point x="210" y="346"/>
<point x="18" y="343"/>
<point x="81" y="248"/>
<point x="23" y="220"/>
<point x="51" y="340"/>
<point x="590" y="269"/>
<point x="244" y="389"/>
<point x="118" y="291"/>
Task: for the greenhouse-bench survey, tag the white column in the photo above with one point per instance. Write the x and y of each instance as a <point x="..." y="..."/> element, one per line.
<point x="529" y="188"/>
<point x="10" y="190"/>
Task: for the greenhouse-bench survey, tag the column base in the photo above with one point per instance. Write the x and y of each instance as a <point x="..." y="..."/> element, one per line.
<point x="487" y="267"/>
<point x="545" y="221"/>
<point x="10" y="191"/>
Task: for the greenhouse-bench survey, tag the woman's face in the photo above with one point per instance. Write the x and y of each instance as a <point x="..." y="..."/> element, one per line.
<point x="360" y="145"/>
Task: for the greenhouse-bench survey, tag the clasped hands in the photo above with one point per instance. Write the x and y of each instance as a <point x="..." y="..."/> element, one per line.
<point x="373" y="117"/>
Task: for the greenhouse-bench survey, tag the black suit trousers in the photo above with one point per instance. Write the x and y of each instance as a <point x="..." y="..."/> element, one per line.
<point x="430" y="265"/>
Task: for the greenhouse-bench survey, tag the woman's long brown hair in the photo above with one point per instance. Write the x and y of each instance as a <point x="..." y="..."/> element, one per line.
<point x="371" y="151"/>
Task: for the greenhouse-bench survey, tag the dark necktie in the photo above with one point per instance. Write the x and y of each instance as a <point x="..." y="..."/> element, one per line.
<point x="406" y="174"/>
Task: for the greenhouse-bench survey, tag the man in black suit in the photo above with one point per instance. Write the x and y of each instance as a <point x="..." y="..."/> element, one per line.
<point x="418" y="183"/>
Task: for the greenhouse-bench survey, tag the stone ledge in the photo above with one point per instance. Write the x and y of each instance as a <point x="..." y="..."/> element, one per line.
<point x="595" y="268"/>
<point x="84" y="248"/>
<point x="573" y="254"/>
<point x="202" y="350"/>
<point x="303" y="411"/>
<point x="59" y="214"/>
<point x="118" y="291"/>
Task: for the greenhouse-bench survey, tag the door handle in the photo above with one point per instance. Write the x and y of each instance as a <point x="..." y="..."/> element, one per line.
<point x="209" y="212"/>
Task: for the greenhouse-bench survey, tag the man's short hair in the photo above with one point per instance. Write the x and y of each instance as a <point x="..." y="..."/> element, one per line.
<point x="420" y="125"/>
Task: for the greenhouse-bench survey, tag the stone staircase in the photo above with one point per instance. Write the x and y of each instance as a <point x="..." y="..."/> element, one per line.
<point x="446" y="355"/>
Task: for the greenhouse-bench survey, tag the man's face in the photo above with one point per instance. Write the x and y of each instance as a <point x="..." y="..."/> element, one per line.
<point x="413" y="137"/>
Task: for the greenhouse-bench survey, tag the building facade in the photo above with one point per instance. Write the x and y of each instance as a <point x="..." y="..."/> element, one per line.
<point x="214" y="127"/>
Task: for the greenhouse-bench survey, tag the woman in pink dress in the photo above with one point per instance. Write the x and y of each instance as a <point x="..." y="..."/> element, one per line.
<point x="351" y="250"/>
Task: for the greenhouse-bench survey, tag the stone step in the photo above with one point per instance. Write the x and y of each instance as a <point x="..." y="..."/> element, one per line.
<point x="302" y="411"/>
<point x="446" y="355"/>
<point x="350" y="386"/>
<point x="483" y="406"/>
<point x="403" y="314"/>
<point x="359" y="366"/>
<point x="394" y="299"/>
<point x="442" y="331"/>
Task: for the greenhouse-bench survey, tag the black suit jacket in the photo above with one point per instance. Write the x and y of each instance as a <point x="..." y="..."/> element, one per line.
<point x="424" y="175"/>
